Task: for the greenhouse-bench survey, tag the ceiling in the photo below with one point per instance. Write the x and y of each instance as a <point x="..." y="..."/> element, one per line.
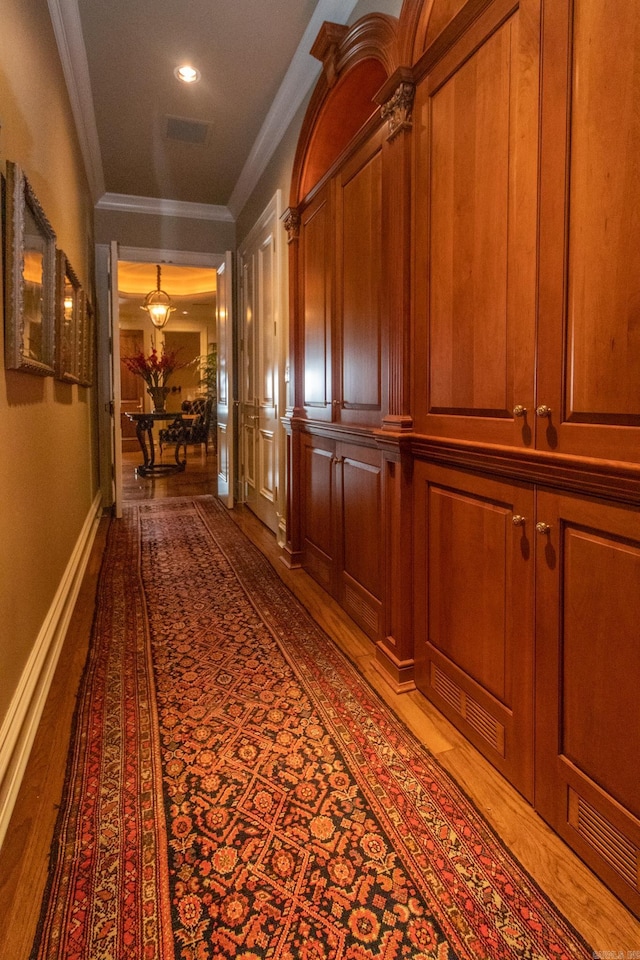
<point x="137" y="123"/>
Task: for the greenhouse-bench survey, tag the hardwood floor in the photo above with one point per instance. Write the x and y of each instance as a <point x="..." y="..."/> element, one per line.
<point x="590" y="907"/>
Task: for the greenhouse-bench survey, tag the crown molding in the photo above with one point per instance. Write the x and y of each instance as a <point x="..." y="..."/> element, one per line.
<point x="302" y="73"/>
<point x="65" y="19"/>
<point x="125" y="203"/>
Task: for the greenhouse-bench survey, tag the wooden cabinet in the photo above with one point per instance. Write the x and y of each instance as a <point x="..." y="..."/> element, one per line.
<point x="468" y="302"/>
<point x="588" y="682"/>
<point x="339" y="294"/>
<point x="473" y="574"/>
<point x="475" y="214"/>
<point x="503" y="569"/>
<point x="589" y="311"/>
<point x="342" y="525"/>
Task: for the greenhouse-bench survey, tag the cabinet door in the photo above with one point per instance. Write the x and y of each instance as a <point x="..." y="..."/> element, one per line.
<point x="318" y="510"/>
<point x="475" y="213"/>
<point x="358" y="341"/>
<point x="589" y="349"/>
<point x="316" y="273"/>
<point x="588" y="684"/>
<point x="474" y="611"/>
<point x="360" y="535"/>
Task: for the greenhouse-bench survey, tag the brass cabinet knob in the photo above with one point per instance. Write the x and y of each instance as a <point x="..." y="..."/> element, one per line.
<point x="542" y="527"/>
<point x="519" y="410"/>
<point x="543" y="410"/>
<point x="518" y="521"/>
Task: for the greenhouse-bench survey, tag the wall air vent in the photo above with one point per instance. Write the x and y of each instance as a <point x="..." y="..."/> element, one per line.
<point x="187" y="131"/>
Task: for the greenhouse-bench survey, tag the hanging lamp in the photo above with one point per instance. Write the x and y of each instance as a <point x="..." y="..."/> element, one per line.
<point x="158" y="305"/>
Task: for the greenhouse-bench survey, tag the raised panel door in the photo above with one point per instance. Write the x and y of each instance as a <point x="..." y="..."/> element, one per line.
<point x="589" y="352"/>
<point x="587" y="683"/>
<point x="318" y="510"/>
<point x="357" y="358"/>
<point x="475" y="212"/>
<point x="316" y="273"/>
<point x="473" y="549"/>
<point x="360" y="535"/>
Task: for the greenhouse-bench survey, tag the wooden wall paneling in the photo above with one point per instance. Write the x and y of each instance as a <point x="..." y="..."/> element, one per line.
<point x="589" y="366"/>
<point x="474" y="611"/>
<point x="396" y="100"/>
<point x="358" y="269"/>
<point x="360" y="530"/>
<point x="316" y="306"/>
<point x="587" y="682"/>
<point x="475" y="230"/>
<point x="318" y="510"/>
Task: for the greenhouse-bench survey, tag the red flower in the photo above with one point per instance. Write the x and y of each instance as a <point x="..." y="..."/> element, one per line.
<point x="155" y="369"/>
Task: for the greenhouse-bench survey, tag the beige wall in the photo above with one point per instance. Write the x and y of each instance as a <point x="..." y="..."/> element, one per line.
<point x="151" y="232"/>
<point x="48" y="460"/>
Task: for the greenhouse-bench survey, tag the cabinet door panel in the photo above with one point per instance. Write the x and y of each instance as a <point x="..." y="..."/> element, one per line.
<point x="361" y="535"/>
<point x="474" y="611"/>
<point x="358" y="282"/>
<point x="475" y="213"/>
<point x="590" y="229"/>
<point x="318" y="510"/>
<point x="316" y="272"/>
<point x="587" y="681"/>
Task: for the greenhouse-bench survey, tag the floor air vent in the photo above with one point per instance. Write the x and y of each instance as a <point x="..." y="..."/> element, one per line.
<point x="468" y="708"/>
<point x="622" y="855"/>
<point x="360" y="608"/>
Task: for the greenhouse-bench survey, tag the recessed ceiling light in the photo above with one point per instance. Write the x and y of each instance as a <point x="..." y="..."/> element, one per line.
<point x="187" y="73"/>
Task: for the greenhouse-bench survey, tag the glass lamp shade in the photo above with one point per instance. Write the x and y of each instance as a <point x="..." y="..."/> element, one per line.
<point x="158" y="305"/>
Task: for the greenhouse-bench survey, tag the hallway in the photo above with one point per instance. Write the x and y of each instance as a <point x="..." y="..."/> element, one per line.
<point x="596" y="914"/>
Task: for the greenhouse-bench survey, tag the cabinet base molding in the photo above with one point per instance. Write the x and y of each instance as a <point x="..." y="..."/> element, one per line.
<point x="398" y="673"/>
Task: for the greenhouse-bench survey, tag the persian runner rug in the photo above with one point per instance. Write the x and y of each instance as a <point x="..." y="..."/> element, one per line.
<point x="235" y="789"/>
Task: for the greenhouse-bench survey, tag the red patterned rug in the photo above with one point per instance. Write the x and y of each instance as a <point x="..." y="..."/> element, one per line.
<point x="236" y="790"/>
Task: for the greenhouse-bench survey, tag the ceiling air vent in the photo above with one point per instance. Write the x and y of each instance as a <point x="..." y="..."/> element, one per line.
<point x="187" y="131"/>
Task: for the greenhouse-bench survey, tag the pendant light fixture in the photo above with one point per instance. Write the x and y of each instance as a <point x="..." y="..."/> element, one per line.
<point x="158" y="305"/>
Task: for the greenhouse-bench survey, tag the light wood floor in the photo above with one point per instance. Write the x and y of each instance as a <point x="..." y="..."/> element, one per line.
<point x="588" y="905"/>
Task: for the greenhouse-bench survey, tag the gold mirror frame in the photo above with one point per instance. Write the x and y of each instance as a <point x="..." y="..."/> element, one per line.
<point x="68" y="321"/>
<point x="30" y="256"/>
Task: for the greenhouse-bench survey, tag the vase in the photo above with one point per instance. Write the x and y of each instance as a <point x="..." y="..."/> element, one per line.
<point x="159" y="398"/>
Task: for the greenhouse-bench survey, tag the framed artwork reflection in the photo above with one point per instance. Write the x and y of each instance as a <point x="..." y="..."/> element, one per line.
<point x="68" y="321"/>
<point x="30" y="271"/>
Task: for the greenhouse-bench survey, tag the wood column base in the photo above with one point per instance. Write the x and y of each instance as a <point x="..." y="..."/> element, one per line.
<point x="398" y="673"/>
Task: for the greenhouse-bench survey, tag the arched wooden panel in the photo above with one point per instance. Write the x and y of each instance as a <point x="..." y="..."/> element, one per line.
<point x="357" y="62"/>
<point x="349" y="107"/>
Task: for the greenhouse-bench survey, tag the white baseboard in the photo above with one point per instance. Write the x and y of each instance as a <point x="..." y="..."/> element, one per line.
<point x="21" y="722"/>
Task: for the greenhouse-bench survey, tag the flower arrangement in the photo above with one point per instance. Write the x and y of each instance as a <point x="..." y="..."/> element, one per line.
<point x="155" y="370"/>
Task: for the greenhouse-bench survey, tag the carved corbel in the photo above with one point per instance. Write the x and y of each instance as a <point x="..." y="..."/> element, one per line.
<point x="326" y="48"/>
<point x="399" y="109"/>
<point x="291" y="221"/>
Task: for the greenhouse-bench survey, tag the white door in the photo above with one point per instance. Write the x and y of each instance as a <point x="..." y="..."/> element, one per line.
<point x="116" y="431"/>
<point x="258" y="374"/>
<point x="225" y="409"/>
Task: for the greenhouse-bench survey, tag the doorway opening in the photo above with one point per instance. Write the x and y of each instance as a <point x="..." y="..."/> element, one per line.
<point x="190" y="335"/>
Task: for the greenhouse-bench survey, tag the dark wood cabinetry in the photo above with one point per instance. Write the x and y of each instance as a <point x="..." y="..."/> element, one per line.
<point x="587" y="682"/>
<point x="342" y="525"/>
<point x="474" y="610"/>
<point x="465" y="433"/>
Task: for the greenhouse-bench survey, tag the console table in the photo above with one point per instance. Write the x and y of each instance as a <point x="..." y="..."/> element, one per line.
<point x="144" y="431"/>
